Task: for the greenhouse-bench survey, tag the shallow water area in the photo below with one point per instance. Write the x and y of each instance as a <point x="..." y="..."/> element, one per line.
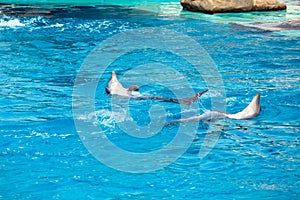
<point x="43" y="155"/>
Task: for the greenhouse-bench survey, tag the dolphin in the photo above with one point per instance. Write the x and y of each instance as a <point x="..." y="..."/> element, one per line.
<point x="251" y="111"/>
<point x="114" y="87"/>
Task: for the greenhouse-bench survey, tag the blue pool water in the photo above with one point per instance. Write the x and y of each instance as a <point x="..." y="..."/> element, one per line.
<point x="43" y="157"/>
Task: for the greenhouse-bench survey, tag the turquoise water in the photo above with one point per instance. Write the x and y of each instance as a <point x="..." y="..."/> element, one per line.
<point x="42" y="156"/>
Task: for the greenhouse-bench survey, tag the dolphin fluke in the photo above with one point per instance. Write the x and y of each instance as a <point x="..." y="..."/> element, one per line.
<point x="192" y="99"/>
<point x="113" y="76"/>
<point x="115" y="87"/>
<point x="252" y="110"/>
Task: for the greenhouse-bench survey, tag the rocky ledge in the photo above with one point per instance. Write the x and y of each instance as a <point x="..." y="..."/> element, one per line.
<point x="223" y="6"/>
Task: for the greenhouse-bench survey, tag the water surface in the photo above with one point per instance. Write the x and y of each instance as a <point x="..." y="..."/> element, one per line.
<point x="42" y="155"/>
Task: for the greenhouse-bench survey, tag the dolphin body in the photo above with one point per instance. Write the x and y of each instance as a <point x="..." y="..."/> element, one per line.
<point x="114" y="87"/>
<point x="251" y="111"/>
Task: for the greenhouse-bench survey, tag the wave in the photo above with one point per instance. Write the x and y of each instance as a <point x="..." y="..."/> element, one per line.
<point x="12" y="23"/>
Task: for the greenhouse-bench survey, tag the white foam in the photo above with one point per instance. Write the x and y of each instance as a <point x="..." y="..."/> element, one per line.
<point x="13" y="23"/>
<point x="104" y="117"/>
<point x="41" y="134"/>
<point x="57" y="25"/>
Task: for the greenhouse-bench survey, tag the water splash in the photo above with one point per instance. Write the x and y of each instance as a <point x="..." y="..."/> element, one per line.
<point x="12" y="23"/>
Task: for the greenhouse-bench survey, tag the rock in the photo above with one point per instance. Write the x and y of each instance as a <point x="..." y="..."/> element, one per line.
<point x="265" y="5"/>
<point x="221" y="6"/>
<point x="214" y="6"/>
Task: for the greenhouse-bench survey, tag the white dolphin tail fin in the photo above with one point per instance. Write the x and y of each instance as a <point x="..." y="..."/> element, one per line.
<point x="252" y="110"/>
<point x="113" y="77"/>
<point x="115" y="87"/>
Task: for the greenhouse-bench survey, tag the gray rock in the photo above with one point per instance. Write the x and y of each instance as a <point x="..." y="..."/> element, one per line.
<point x="272" y="26"/>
